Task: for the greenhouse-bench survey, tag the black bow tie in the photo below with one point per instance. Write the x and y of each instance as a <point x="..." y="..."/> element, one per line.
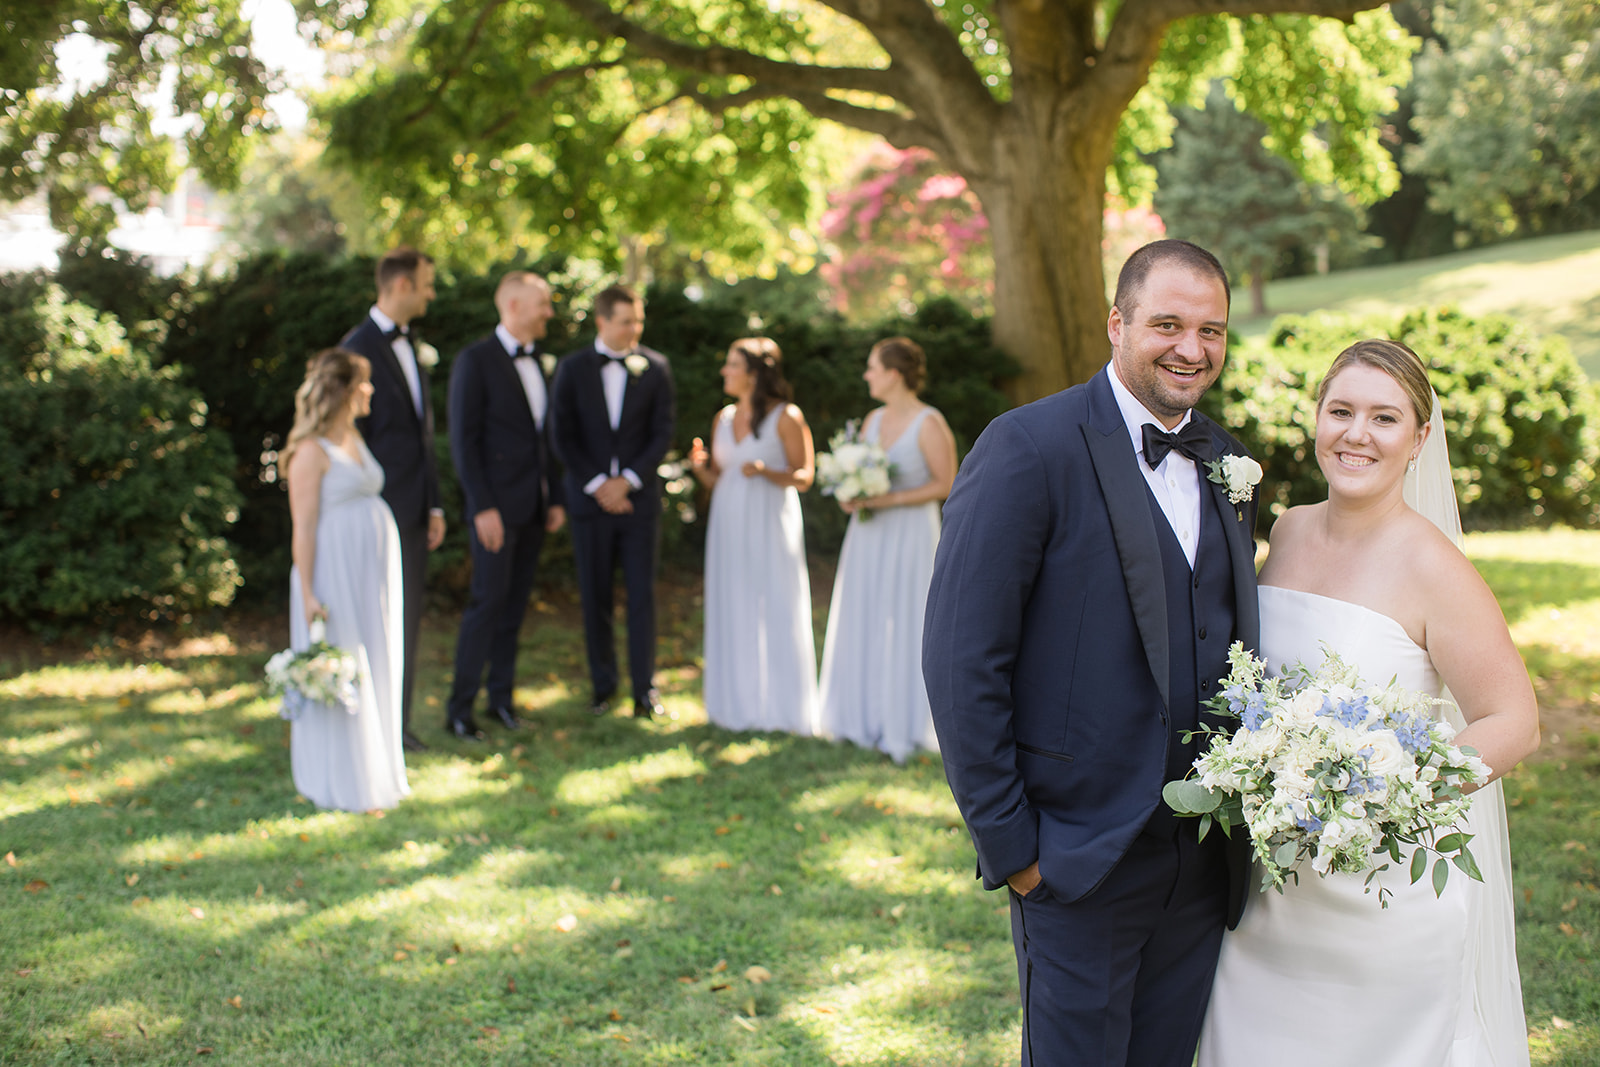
<point x="526" y="352"/>
<point x="1192" y="441"/>
<point x="396" y="331"/>
<point x="616" y="357"/>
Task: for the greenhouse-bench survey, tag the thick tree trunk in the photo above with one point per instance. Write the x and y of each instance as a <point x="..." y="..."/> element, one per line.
<point x="1046" y="221"/>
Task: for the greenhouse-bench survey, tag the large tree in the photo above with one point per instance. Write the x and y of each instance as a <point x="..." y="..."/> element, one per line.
<point x="159" y="85"/>
<point x="699" y="110"/>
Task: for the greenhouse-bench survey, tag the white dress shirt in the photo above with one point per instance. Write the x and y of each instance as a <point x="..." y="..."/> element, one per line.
<point x="1175" y="481"/>
<point x="528" y="371"/>
<point x="614" y="379"/>
<point x="405" y="354"/>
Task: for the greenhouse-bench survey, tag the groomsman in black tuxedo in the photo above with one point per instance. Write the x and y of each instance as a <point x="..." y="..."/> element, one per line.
<point x="399" y="431"/>
<point x="500" y="442"/>
<point x="613" y="412"/>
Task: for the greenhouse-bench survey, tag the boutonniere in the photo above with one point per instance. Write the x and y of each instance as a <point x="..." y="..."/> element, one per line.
<point x="636" y="364"/>
<point x="427" y="355"/>
<point x="1239" y="475"/>
<point x="548" y="362"/>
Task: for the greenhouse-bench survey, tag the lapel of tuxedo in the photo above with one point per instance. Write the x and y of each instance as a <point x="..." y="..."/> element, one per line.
<point x="1237" y="526"/>
<point x="1133" y="526"/>
<point x="386" y="353"/>
<point x="511" y="378"/>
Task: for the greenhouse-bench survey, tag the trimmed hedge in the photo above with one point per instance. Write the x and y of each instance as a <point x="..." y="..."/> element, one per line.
<point x="115" y="499"/>
<point x="1523" y="421"/>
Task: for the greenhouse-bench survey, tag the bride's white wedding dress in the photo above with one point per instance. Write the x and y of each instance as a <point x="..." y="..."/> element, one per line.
<point x="1321" y="974"/>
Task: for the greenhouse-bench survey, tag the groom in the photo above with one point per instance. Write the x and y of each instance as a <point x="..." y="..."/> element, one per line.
<point x="1089" y="580"/>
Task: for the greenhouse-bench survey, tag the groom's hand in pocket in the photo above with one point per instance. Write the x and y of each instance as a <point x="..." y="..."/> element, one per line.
<point x="1026" y="880"/>
<point x="490" y="530"/>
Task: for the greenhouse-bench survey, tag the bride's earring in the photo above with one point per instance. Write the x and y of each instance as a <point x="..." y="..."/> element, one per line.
<point x="1411" y="468"/>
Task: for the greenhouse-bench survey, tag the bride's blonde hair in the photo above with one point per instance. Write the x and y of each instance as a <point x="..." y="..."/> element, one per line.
<point x="1396" y="360"/>
<point x="331" y="379"/>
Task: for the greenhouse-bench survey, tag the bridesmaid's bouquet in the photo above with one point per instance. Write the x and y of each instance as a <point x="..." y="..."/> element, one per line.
<point x="1325" y="766"/>
<point x="853" y="468"/>
<point x="321" y="675"/>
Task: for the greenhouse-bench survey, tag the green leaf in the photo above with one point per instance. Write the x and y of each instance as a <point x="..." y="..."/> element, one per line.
<point x="1468" y="865"/>
<point x="1286" y="853"/>
<point x="1189" y="797"/>
<point x="1441" y="874"/>
<point x="1419" y="864"/>
<point x="1450" y="842"/>
<point x="1205" y="825"/>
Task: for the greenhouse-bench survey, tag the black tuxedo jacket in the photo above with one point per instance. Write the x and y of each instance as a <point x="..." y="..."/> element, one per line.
<point x="401" y="442"/>
<point x="1046" y="648"/>
<point x="501" y="455"/>
<point x="584" y="440"/>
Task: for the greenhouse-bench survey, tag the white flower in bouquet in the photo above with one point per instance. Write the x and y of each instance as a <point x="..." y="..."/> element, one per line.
<point x="322" y="675"/>
<point x="1325" y="767"/>
<point x="853" y="469"/>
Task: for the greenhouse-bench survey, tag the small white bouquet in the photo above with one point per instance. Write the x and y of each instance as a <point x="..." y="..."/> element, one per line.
<point x="321" y="675"/>
<point x="852" y="468"/>
<point x="1326" y="766"/>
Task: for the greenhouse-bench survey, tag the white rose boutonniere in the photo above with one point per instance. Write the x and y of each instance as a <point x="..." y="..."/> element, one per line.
<point x="636" y="364"/>
<point x="427" y="355"/>
<point x="1239" y="475"/>
<point x="548" y="362"/>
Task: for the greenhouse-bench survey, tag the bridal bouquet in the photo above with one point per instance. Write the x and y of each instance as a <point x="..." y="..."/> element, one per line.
<point x="321" y="675"/>
<point x="1325" y="766"/>
<point x="853" y="469"/>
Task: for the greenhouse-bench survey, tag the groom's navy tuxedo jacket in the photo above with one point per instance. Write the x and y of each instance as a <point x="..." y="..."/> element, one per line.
<point x="400" y="440"/>
<point x="1047" y="647"/>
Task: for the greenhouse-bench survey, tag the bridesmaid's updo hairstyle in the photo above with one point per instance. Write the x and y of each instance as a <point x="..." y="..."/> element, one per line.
<point x="1394" y="359"/>
<point x="905" y="356"/>
<point x="331" y="377"/>
<point x="764" y="360"/>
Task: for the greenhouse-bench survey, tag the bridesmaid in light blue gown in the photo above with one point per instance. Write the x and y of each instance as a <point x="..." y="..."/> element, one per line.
<point x="760" y="657"/>
<point x="872" y="689"/>
<point x="346" y="571"/>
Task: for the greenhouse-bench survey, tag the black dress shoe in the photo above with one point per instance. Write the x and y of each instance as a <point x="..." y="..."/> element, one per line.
<point x="505" y="717"/>
<point x="600" y="705"/>
<point x="651" y="705"/>
<point x="412" y="743"/>
<point x="464" y="730"/>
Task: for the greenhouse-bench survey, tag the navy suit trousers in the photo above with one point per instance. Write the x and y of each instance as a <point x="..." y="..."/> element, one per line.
<point x="599" y="544"/>
<point x="1122" y="977"/>
<point x="502" y="582"/>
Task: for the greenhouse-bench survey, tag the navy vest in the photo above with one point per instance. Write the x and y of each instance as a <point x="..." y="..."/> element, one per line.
<point x="1200" y="627"/>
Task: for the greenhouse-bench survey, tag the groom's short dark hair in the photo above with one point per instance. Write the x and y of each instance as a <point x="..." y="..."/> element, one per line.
<point x="1130" y="282"/>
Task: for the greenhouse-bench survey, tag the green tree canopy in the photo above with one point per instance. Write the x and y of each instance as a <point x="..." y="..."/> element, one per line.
<point x="1508" y="111"/>
<point x="697" y="122"/>
<point x="94" y="141"/>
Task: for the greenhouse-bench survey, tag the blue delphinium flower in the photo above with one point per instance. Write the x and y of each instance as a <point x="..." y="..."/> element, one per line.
<point x="1256" y="713"/>
<point x="1235" y="695"/>
<point x="1351" y="713"/>
<point x="1309" y="823"/>
<point x="1412" y="731"/>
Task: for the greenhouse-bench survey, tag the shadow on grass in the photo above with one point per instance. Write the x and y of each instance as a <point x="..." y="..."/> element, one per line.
<point x="586" y="891"/>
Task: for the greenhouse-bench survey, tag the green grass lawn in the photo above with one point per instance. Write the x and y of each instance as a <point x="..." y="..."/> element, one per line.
<point x="1551" y="283"/>
<point x="591" y="891"/>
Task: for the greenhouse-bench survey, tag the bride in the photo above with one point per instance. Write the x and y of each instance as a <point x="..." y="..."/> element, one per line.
<point x="1375" y="573"/>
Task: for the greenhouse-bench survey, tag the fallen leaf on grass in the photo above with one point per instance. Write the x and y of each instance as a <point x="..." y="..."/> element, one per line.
<point x="408" y="946"/>
<point x="567" y="923"/>
<point x="823" y="1009"/>
<point x="723" y="830"/>
<point x="1570" y="905"/>
<point x="624" y="1038"/>
<point x="36" y="885"/>
<point x="758" y="974"/>
<point x="775" y="890"/>
<point x="746" y="1023"/>
<point x="198" y="913"/>
<point x="236" y="1002"/>
<point x="142" y="1031"/>
<point x="490" y="1031"/>
<point x="1571" y="845"/>
<point x="1527" y="896"/>
<point x="686" y="979"/>
<point x="11" y="859"/>
<point x="132" y="879"/>
<point x="721" y="865"/>
<point x="719" y="988"/>
<point x="615" y="1016"/>
<point x="1559" y="1023"/>
<point x="719" y="966"/>
<point x="1567" y="929"/>
<point x="449" y="961"/>
<point x="204" y="1050"/>
<point x="399" y="955"/>
<point x="140" y="902"/>
<point x="511" y="985"/>
<point x="24" y="972"/>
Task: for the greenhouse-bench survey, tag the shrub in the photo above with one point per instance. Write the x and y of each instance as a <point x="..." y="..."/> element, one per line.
<point x="1522" y="419"/>
<point x="114" y="498"/>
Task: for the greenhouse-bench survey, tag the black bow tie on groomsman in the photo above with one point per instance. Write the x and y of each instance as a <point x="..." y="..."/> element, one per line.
<point x="526" y="352"/>
<point x="1192" y="441"/>
<point x="397" y="331"/>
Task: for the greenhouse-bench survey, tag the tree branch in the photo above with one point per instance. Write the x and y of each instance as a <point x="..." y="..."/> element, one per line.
<point x="461" y="61"/>
<point x="721" y="60"/>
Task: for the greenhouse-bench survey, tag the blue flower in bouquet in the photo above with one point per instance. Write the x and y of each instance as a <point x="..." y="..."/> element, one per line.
<point x="1413" y="732"/>
<point x="320" y="677"/>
